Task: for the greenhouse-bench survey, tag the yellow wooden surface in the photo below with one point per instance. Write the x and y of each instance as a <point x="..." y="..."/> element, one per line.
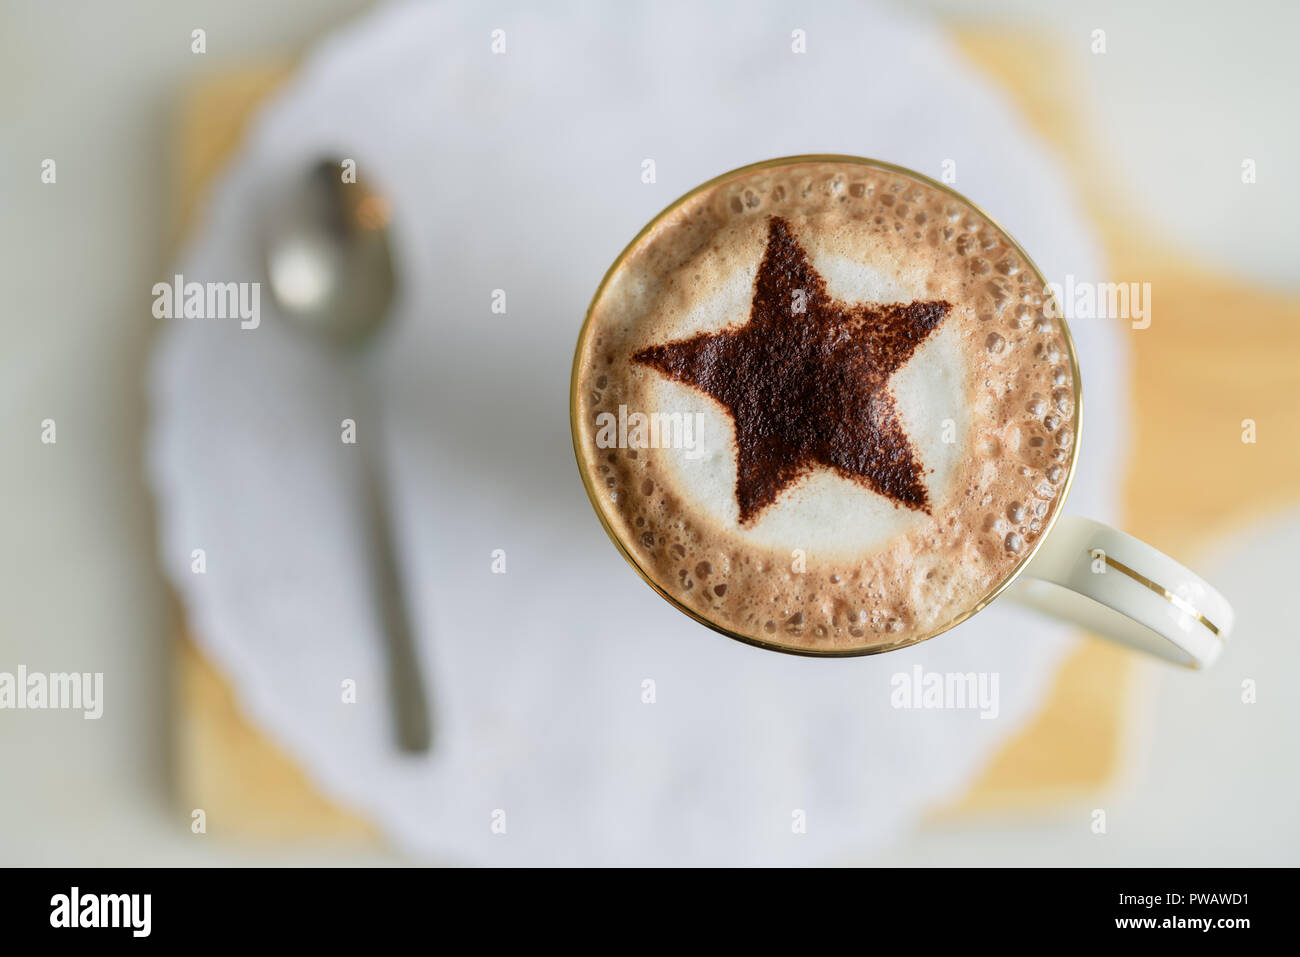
<point x="1218" y="351"/>
<point x="246" y="784"/>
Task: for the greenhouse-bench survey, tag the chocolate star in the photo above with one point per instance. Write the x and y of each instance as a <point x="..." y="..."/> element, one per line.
<point x="807" y="381"/>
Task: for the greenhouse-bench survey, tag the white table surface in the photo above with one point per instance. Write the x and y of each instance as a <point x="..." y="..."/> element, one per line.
<point x="79" y="588"/>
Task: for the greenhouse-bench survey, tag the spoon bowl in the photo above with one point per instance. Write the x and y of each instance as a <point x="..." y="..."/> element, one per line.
<point x="328" y="259"/>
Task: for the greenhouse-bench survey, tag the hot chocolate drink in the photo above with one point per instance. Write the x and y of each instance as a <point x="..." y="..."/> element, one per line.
<point x="823" y="405"/>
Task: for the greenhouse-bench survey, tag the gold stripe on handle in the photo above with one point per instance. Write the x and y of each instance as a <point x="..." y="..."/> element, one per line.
<point x="1169" y="596"/>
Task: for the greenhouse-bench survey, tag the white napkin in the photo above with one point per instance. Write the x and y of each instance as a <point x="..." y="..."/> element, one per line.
<point x="522" y="171"/>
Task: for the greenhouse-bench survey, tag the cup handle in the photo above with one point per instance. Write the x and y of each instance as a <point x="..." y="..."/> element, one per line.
<point x="1121" y="588"/>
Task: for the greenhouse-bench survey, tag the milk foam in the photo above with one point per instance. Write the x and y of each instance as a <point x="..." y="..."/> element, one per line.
<point x="986" y="402"/>
<point x="825" y="512"/>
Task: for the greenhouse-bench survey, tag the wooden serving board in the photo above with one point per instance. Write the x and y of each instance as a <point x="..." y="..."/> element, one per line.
<point x="1223" y="351"/>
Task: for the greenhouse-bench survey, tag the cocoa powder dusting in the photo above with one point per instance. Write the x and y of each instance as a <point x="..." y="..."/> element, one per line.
<point x="806" y="381"/>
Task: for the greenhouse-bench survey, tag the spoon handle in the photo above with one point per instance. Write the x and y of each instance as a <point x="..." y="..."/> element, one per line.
<point x="406" y="685"/>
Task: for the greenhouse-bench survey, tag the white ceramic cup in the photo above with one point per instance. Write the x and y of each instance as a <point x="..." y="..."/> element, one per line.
<point x="1081" y="571"/>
